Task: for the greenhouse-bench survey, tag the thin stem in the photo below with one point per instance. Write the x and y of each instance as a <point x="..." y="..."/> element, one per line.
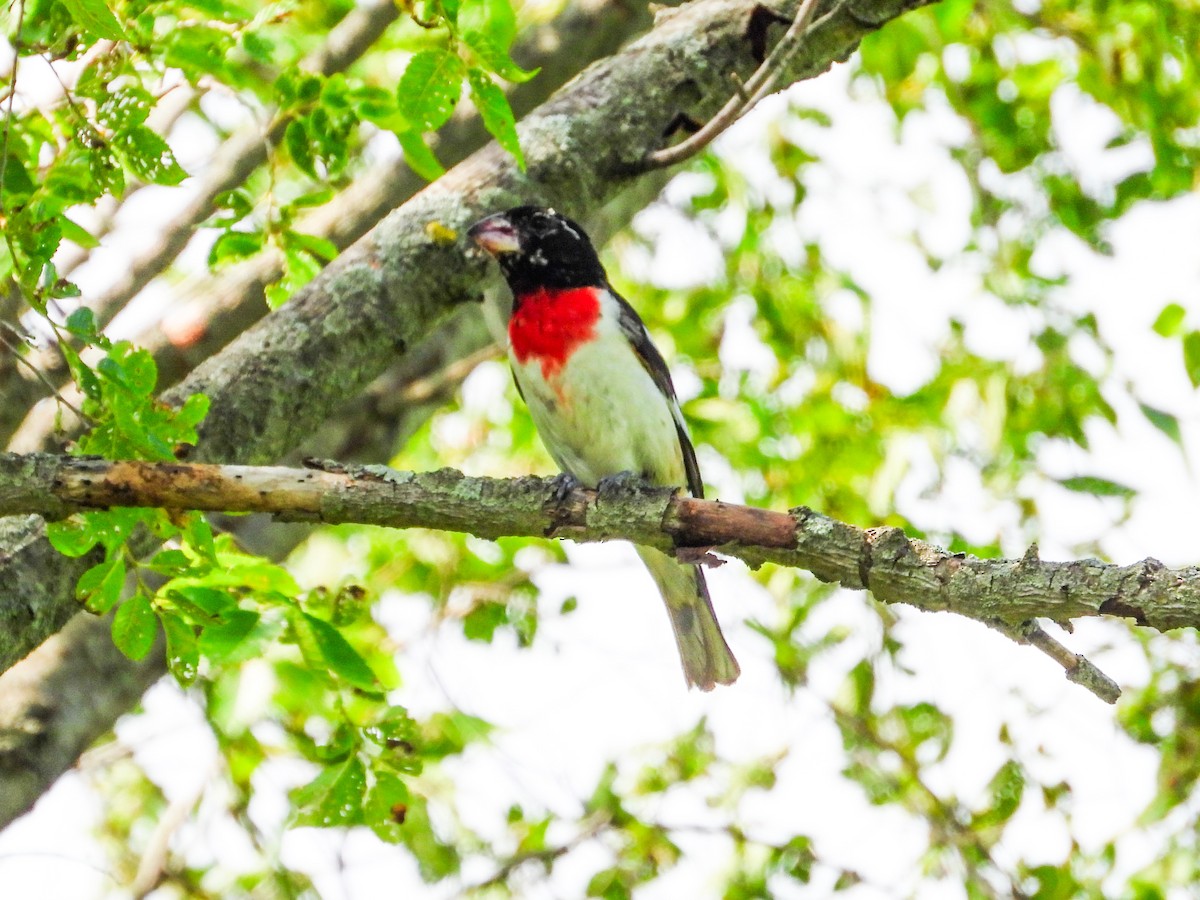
<point x="41" y="376"/>
<point x="759" y="85"/>
<point x="1078" y="669"/>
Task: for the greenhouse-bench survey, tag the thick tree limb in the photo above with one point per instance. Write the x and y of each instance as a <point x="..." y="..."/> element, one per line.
<point x="895" y="568"/>
<point x="63" y="697"/>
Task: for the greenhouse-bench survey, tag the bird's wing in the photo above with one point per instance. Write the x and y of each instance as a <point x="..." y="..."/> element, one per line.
<point x="635" y="330"/>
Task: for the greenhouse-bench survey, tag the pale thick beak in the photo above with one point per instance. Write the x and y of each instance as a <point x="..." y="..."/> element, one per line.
<point x="496" y="235"/>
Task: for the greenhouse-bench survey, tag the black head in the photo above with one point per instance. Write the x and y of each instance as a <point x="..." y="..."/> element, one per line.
<point x="538" y="248"/>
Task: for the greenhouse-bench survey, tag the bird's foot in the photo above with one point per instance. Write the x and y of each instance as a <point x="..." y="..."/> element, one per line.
<point x="620" y="483"/>
<point x="562" y="485"/>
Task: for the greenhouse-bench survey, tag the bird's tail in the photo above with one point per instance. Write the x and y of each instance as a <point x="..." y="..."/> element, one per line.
<point x="707" y="660"/>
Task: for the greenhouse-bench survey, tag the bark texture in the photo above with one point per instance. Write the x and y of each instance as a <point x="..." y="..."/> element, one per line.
<point x="894" y="567"/>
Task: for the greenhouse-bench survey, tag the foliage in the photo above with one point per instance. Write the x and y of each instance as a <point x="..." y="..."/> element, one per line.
<point x="98" y="140"/>
<point x="306" y="680"/>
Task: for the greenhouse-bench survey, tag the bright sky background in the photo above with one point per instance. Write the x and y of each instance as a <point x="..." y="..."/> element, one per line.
<point x="606" y="679"/>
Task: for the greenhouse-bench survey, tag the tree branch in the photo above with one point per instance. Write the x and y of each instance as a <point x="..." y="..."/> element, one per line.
<point x="60" y="699"/>
<point x="1003" y="592"/>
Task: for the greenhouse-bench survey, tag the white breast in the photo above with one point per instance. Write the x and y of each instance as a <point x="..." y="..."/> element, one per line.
<point x="602" y="414"/>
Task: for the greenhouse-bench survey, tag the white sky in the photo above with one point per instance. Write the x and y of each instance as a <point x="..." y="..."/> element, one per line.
<point x="616" y="685"/>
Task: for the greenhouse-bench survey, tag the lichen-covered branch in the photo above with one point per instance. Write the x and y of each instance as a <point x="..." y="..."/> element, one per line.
<point x="895" y="568"/>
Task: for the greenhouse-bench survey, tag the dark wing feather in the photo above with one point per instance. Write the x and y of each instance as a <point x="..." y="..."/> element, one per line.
<point x="635" y="330"/>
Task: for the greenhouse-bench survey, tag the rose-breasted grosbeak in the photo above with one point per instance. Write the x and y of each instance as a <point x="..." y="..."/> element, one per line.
<point x="601" y="397"/>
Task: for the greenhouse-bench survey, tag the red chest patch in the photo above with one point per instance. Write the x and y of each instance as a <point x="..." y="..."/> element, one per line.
<point x="549" y="325"/>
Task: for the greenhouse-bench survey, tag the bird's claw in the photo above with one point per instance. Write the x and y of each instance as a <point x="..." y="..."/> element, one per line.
<point x="563" y="484"/>
<point x="619" y="483"/>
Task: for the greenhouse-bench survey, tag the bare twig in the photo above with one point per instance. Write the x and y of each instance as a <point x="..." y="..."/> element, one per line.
<point x="22" y="360"/>
<point x="1078" y="669"/>
<point x="596" y="824"/>
<point x="439" y="383"/>
<point x="745" y="98"/>
<point x="153" y="866"/>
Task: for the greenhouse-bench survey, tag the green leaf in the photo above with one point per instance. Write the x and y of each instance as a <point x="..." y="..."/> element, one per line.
<point x="192" y="413"/>
<point x="74" y="537"/>
<point x="209" y="603"/>
<point x="324" y="647"/>
<point x="148" y="156"/>
<point x="235" y="245"/>
<point x="387" y="807"/>
<point x="82" y="323"/>
<point x="169" y="562"/>
<point x="480" y="623"/>
<point x="100" y="586"/>
<point x="611" y="884"/>
<point x="495" y="20"/>
<point x="314" y="245"/>
<point x="496" y="59"/>
<point x="228" y="641"/>
<point x="134" y="626"/>
<point x="496" y="113"/>
<point x="418" y="155"/>
<point x="140" y="372"/>
<point x="1006" y="788"/>
<point x="299" y="148"/>
<point x="429" y="88"/>
<point x="436" y="859"/>
<point x="77" y="234"/>
<point x="319" y="197"/>
<point x="334" y="797"/>
<point x="448" y="734"/>
<point x="95" y="17"/>
<point x="393" y="728"/>
<point x="183" y="655"/>
<point x="199" y="534"/>
<point x="1191" y="356"/>
<point x="277" y="294"/>
<point x="1099" y="487"/>
<point x="1170" y="320"/>
<point x="17" y="183"/>
<point x="1165" y="422"/>
<point x="237" y="201"/>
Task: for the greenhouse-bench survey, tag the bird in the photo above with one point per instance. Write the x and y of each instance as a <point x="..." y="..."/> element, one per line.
<point x="602" y="399"/>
